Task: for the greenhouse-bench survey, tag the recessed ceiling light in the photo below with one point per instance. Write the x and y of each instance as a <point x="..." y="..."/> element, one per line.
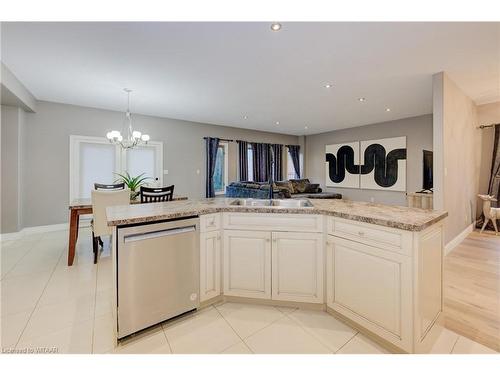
<point x="362" y="99"/>
<point x="387" y="109"/>
<point x="276" y="26"/>
<point x="328" y="85"/>
<point x="277" y="122"/>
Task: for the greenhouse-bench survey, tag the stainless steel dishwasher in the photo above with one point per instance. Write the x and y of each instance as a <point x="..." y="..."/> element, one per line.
<point x="157" y="273"/>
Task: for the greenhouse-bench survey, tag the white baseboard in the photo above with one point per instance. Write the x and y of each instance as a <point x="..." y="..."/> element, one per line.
<point x="39" y="229"/>
<point x="456" y="241"/>
<point x="44" y="228"/>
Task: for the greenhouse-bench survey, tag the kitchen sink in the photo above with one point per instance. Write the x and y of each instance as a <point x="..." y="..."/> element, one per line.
<point x="251" y="202"/>
<point x="292" y="203"/>
<point x="289" y="203"/>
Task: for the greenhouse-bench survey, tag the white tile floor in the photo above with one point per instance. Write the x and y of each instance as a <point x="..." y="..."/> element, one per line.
<point x="46" y="304"/>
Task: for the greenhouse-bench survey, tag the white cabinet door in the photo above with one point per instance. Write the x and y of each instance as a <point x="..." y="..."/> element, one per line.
<point x="210" y="263"/>
<point x="297" y="267"/>
<point x="372" y="287"/>
<point x="247" y="264"/>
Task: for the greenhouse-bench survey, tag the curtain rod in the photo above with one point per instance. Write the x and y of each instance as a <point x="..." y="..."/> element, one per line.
<point x="239" y="140"/>
<point x="265" y="143"/>
<point x="487" y="126"/>
<point x="221" y="139"/>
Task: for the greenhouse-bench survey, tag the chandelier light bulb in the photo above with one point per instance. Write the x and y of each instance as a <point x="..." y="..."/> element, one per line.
<point x="136" y="134"/>
<point x="145" y="137"/>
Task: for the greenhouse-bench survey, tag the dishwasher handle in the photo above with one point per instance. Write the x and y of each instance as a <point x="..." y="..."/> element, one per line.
<point x="158" y="234"/>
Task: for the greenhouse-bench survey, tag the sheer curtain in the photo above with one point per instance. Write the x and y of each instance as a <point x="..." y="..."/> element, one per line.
<point x="294" y="151"/>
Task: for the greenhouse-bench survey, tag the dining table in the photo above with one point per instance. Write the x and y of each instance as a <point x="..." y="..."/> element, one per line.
<point x="83" y="206"/>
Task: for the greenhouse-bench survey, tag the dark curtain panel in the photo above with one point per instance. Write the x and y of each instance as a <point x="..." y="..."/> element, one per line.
<point x="294" y="151"/>
<point x="278" y="161"/>
<point x="261" y="161"/>
<point x="211" y="144"/>
<point x="256" y="149"/>
<point x="494" y="185"/>
<point x="243" y="160"/>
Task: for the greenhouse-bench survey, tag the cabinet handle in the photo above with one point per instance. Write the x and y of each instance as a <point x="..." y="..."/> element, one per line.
<point x="268" y="240"/>
<point x="361" y="233"/>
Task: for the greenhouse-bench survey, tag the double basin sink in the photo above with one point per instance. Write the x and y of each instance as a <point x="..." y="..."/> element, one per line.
<point x="288" y="203"/>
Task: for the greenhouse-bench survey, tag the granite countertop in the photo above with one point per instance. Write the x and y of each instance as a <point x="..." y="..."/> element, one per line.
<point x="411" y="219"/>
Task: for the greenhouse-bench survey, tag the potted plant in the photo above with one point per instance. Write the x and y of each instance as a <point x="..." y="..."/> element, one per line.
<point x="133" y="183"/>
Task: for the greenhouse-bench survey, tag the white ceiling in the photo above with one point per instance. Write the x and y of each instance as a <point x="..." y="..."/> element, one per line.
<point x="220" y="72"/>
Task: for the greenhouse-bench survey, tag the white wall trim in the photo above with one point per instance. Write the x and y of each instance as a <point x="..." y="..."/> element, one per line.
<point x="456" y="241"/>
<point x="39" y="229"/>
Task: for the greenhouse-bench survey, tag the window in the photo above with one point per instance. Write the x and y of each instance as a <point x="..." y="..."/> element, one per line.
<point x="142" y="159"/>
<point x="250" y="162"/>
<point x="290" y="170"/>
<point x="220" y="173"/>
<point x="97" y="164"/>
<point x="94" y="159"/>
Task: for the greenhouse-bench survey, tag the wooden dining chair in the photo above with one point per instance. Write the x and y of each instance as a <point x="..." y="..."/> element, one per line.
<point x="101" y="199"/>
<point x="119" y="186"/>
<point x="150" y="195"/>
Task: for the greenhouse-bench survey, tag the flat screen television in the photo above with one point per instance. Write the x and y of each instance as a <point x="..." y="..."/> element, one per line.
<point x="427" y="180"/>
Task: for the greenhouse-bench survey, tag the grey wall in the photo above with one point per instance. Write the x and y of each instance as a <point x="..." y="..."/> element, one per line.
<point x="457" y="136"/>
<point x="418" y="132"/>
<point x="46" y="162"/>
<point x="10" y="195"/>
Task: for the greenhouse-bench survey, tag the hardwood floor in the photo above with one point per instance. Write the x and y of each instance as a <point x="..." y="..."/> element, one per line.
<point x="472" y="289"/>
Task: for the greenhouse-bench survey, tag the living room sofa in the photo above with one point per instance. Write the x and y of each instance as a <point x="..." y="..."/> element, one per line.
<point x="297" y="188"/>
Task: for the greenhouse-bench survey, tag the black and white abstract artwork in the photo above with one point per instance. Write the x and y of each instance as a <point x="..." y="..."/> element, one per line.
<point x="384" y="164"/>
<point x="376" y="164"/>
<point x="342" y="165"/>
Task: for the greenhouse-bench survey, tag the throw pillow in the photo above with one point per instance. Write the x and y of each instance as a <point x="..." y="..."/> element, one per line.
<point x="287" y="185"/>
<point x="299" y="185"/>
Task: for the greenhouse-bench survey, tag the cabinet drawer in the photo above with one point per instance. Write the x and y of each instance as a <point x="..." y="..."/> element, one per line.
<point x="374" y="235"/>
<point x="210" y="222"/>
<point x="273" y="222"/>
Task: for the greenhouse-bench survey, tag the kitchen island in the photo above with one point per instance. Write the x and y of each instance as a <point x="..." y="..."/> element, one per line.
<point x="377" y="267"/>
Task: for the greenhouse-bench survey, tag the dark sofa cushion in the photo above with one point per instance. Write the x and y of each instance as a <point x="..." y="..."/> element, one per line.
<point x="312" y="188"/>
<point x="284" y="186"/>
<point x="299" y="185"/>
<point x="245" y="184"/>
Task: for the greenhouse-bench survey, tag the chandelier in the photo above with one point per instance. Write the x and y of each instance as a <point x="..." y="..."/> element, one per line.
<point x="132" y="138"/>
